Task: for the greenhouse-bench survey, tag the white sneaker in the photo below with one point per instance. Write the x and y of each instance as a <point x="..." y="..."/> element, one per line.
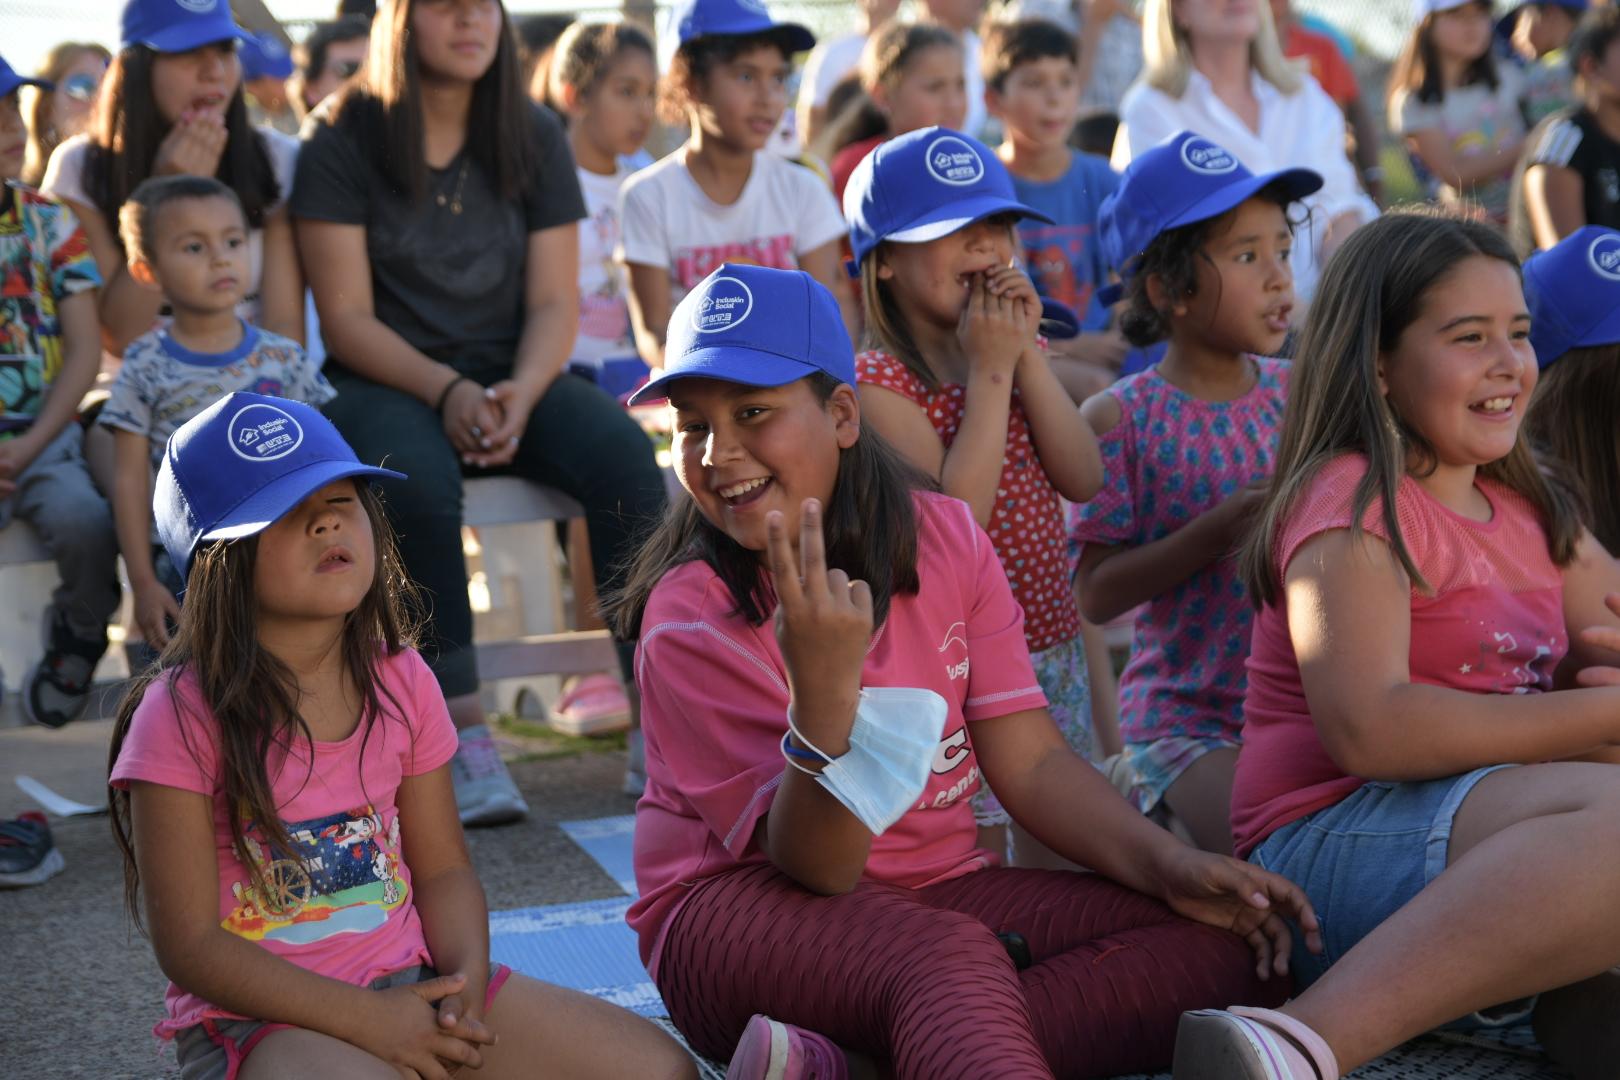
<point x="485" y="793"/>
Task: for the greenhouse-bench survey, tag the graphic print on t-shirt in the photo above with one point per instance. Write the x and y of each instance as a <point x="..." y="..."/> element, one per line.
<point x="693" y="264"/>
<point x="345" y="880"/>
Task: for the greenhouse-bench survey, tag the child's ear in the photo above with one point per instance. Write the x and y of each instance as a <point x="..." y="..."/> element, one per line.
<point x="845" y="408"/>
<point x="992" y="101"/>
<point x="1159" y="296"/>
<point x="885" y="272"/>
<point x="1381" y="374"/>
<point x="570" y="97"/>
<point x="141" y="271"/>
<point x="879" y="98"/>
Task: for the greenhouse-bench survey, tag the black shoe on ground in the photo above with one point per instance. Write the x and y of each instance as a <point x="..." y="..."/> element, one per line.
<point x="27" y="856"/>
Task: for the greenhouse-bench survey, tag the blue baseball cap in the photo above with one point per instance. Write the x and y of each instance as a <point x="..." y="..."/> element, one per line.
<point x="923" y="185"/>
<point x="1185" y="179"/>
<point x="239" y="465"/>
<point x="1573" y="289"/>
<point x="172" y="26"/>
<point x="10" y="80"/>
<point x="756" y="326"/>
<point x="1505" y="25"/>
<point x="264" y="54"/>
<point x="701" y="18"/>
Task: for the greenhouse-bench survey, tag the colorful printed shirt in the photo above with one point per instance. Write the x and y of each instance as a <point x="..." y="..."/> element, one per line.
<point x="1026" y="524"/>
<point x="162" y="384"/>
<point x="668" y="221"/>
<point x="1170" y="458"/>
<point x="44" y="259"/>
<point x="1493" y="624"/>
<point x="714" y="709"/>
<point x="1474" y="120"/>
<point x="343" y="906"/>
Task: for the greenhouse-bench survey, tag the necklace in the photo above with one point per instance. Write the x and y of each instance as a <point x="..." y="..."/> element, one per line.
<point x="454" y="200"/>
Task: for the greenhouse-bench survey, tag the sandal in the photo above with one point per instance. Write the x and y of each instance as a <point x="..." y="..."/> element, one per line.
<point x="1243" y="1043"/>
<point x="593" y="705"/>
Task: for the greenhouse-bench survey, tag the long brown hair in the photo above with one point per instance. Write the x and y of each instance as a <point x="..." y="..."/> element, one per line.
<point x="1373" y="289"/>
<point x="127" y="130"/>
<point x="870" y="523"/>
<point x="1417" y="68"/>
<point x="1572" y="422"/>
<point x="43" y="138"/>
<point x="252" y="696"/>
<point x="382" y="108"/>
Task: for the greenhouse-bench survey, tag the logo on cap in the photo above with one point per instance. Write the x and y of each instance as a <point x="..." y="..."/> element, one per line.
<point x="952" y="161"/>
<point x="727" y="303"/>
<point x="200" y="7"/>
<point x="1207" y="158"/>
<point x="1604" y="255"/>
<point x="264" y="433"/>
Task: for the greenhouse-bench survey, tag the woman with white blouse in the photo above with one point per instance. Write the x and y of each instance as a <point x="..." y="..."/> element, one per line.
<point x="1215" y="67"/>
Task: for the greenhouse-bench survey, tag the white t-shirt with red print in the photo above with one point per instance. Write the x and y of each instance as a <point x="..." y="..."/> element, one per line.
<point x="667" y="220"/>
<point x="714" y="696"/>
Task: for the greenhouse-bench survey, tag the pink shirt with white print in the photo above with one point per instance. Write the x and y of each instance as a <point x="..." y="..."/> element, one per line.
<point x="344" y="908"/>
<point x="714" y="709"/>
<point x="1492" y="624"/>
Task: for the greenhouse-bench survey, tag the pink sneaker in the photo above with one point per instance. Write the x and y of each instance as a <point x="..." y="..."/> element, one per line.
<point x="772" y="1050"/>
<point x="593" y="705"/>
<point x="1249" y="1044"/>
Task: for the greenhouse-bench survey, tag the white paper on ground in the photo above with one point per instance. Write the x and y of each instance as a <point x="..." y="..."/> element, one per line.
<point x="60" y="805"/>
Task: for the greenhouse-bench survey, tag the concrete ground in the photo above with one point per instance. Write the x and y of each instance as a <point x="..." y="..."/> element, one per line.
<point x="83" y="988"/>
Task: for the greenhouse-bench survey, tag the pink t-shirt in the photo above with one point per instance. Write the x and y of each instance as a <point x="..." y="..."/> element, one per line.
<point x="1493" y="624"/>
<point x="714" y="709"/>
<point x="343" y="909"/>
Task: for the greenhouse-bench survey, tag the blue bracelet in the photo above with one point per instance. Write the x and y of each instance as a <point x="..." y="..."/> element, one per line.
<point x="803" y="755"/>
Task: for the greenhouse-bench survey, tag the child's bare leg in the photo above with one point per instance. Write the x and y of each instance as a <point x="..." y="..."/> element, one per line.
<point x="1526" y="904"/>
<point x="1104" y="689"/>
<point x="298" y="1054"/>
<point x="576" y="1036"/>
<point x="1202" y="798"/>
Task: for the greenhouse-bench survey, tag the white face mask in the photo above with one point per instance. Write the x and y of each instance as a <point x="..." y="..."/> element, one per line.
<point x="891" y="754"/>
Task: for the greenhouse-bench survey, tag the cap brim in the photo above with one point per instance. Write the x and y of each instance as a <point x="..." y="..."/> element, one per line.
<point x="1295" y="184"/>
<point x="9" y="88"/>
<point x="1059" y="322"/>
<point x="726" y="363"/>
<point x="945" y="220"/>
<point x="193" y="34"/>
<point x="265" y="506"/>
<point x="798" y="36"/>
<point x="1110" y="294"/>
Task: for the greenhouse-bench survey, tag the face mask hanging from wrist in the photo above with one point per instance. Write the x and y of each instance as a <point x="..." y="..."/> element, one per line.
<point x="891" y="754"/>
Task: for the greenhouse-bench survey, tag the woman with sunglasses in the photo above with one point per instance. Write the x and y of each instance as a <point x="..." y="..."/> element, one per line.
<point x="75" y="68"/>
<point x="326" y="59"/>
<point x="172" y="104"/>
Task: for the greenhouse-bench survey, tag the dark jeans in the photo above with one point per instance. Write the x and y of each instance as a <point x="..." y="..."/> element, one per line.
<point x="578" y="440"/>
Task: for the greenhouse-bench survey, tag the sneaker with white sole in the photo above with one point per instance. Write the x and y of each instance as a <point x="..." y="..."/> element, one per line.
<point x="485" y="792"/>
<point x="56" y="689"/>
<point x="593" y="705"/>
<point x="772" y="1050"/>
<point x="1243" y="1043"/>
<point x="27" y="855"/>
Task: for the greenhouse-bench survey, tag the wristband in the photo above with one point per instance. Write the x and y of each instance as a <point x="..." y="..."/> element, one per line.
<point x="791" y="752"/>
<point x="444" y="395"/>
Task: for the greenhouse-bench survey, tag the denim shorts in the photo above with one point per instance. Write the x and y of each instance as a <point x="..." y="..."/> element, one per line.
<point x="1364" y="857"/>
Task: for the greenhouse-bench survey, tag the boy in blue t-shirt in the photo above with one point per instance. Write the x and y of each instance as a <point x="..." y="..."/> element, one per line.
<point x="1032" y="85"/>
<point x="50" y="349"/>
<point x="187" y="237"/>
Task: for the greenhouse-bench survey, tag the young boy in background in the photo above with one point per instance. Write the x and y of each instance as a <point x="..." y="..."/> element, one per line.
<point x="186" y="237"/>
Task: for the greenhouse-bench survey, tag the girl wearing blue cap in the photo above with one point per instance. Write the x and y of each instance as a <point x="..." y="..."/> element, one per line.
<point x="806" y="847"/>
<point x="1431" y="649"/>
<point x="1204" y="247"/>
<point x="958" y="382"/>
<point x="282" y="797"/>
<point x="1574" y="296"/>
<point x="172" y="103"/>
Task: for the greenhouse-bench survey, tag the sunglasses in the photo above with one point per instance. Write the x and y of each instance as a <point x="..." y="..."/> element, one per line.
<point x="80" y="87"/>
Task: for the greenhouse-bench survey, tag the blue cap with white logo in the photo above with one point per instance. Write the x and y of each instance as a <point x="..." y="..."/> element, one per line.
<point x="264" y="54"/>
<point x="756" y="326"/>
<point x="1185" y="179"/>
<point x="174" y="26"/>
<point x="923" y="185"/>
<point x="10" y="80"/>
<point x="1573" y="289"/>
<point x="237" y="466"/>
<point x="700" y="18"/>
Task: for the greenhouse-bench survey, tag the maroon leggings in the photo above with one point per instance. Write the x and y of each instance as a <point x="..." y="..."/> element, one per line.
<point x="916" y="978"/>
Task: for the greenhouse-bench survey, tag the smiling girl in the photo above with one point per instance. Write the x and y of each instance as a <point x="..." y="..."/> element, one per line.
<point x="1421" y="580"/>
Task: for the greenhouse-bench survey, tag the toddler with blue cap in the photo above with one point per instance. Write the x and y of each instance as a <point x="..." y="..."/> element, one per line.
<point x="1573" y="290"/>
<point x="957" y="377"/>
<point x="724" y="196"/>
<point x="1202" y="247"/>
<point x="831" y="659"/>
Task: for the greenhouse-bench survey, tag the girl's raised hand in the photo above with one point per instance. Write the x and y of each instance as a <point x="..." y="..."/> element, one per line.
<point x="1254" y="904"/>
<point x="993" y="330"/>
<point x="1011" y="283"/>
<point x="192" y="147"/>
<point x="823" y="626"/>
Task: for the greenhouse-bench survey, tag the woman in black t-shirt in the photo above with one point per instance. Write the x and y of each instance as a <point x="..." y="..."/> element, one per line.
<point x="436" y="211"/>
